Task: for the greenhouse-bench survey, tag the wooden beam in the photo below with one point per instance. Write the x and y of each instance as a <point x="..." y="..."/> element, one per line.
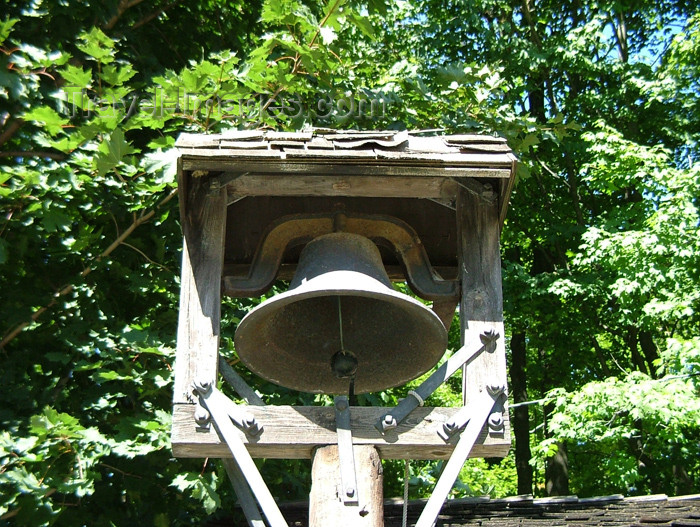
<point x="286" y="271"/>
<point x="218" y="161"/>
<point x="329" y="185"/>
<point x="293" y="432"/>
<point x="325" y="504"/>
<point x="481" y="308"/>
<point x="203" y="224"/>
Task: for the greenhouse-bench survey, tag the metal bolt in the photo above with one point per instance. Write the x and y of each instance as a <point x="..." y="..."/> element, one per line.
<point x="201" y="415"/>
<point x="496" y="420"/>
<point x="349" y="492"/>
<point x="341" y="405"/>
<point x="202" y="386"/>
<point x="389" y="422"/>
<point x="495" y="390"/>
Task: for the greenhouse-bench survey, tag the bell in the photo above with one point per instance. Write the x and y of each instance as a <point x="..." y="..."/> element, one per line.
<point x="341" y="326"/>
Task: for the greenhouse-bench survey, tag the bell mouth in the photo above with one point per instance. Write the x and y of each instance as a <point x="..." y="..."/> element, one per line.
<point x="292" y="338"/>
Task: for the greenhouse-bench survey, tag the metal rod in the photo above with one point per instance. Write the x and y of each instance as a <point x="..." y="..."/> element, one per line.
<point x="240" y="453"/>
<point x="455" y="463"/>
<point x="464" y="355"/>
<point x="245" y="497"/>
<point x="346" y="456"/>
<point x="241" y="387"/>
<point x="340" y="325"/>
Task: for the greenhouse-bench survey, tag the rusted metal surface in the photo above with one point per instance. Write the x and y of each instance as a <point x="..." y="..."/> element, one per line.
<point x="340" y="300"/>
<point x="386" y="231"/>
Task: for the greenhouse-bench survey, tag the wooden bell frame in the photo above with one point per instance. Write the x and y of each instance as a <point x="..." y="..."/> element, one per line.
<point x="455" y="198"/>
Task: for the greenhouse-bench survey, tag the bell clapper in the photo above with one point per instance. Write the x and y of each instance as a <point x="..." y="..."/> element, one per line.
<point x="344" y="362"/>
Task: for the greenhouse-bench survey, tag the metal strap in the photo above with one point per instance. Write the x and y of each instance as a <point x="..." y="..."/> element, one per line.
<point x="456" y="461"/>
<point x="245" y="497"/>
<point x="346" y="456"/>
<point x="212" y="399"/>
<point x="464" y="355"/>
<point x="242" y="388"/>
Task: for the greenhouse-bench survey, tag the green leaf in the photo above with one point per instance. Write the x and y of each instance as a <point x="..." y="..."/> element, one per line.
<point x="55" y="220"/>
<point x="6" y="28"/>
<point x="113" y="151"/>
<point x="117" y="75"/>
<point x="48" y="117"/>
<point x="97" y="45"/>
<point x="78" y="77"/>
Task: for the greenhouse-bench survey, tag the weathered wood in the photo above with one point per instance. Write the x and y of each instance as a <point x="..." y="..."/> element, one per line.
<point x="245" y="145"/>
<point x="292" y="432"/>
<point x="325" y="504"/>
<point x="286" y="272"/>
<point x="203" y="225"/>
<point x="481" y="308"/>
<point x="506" y="188"/>
<point x="357" y="186"/>
<point x="271" y="161"/>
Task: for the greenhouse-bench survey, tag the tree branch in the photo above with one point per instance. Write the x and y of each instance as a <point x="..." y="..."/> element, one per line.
<point x="143" y="218"/>
<point x="33" y="153"/>
<point x="121" y="8"/>
<point x="11" y="129"/>
<point x="145" y="20"/>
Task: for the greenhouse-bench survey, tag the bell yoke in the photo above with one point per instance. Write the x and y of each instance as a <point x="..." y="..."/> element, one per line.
<point x="341" y="321"/>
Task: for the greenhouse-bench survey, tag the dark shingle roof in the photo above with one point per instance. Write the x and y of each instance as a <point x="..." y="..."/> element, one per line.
<point x="609" y="511"/>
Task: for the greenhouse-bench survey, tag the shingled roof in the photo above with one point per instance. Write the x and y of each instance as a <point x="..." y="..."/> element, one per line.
<point x="521" y="511"/>
<point x="371" y="145"/>
<point x="351" y="152"/>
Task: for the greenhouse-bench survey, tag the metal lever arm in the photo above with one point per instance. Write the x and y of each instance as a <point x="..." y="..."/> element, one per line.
<point x="483" y="407"/>
<point x="346" y="456"/>
<point x="417" y="397"/>
<point x="219" y="406"/>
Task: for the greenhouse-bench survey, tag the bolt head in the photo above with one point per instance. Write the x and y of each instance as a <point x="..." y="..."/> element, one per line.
<point x="495" y="389"/>
<point x="389" y="422"/>
<point x="349" y="492"/>
<point x="496" y="420"/>
<point x="201" y="415"/>
<point x="202" y="385"/>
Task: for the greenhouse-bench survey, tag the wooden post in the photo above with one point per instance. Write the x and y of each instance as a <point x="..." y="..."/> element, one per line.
<point x="203" y="225"/>
<point x="481" y="308"/>
<point x="325" y="504"/>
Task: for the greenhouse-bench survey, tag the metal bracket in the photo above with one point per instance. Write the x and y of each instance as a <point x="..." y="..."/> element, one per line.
<point x="416" y="397"/>
<point x="210" y="395"/>
<point x="459" y="420"/>
<point x="346" y="456"/>
<point x="388" y="231"/>
<point x="239" y="385"/>
<point x="221" y="409"/>
<point x="481" y="408"/>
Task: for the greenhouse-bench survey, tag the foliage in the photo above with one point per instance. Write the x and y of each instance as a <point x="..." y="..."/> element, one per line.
<point x="601" y="245"/>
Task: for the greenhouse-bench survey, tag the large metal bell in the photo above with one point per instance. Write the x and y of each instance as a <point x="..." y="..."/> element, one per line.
<point x="340" y="322"/>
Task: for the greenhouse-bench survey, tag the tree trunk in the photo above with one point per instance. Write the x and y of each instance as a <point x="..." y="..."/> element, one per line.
<point x="521" y="414"/>
<point x="649" y="349"/>
<point x="557" y="472"/>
